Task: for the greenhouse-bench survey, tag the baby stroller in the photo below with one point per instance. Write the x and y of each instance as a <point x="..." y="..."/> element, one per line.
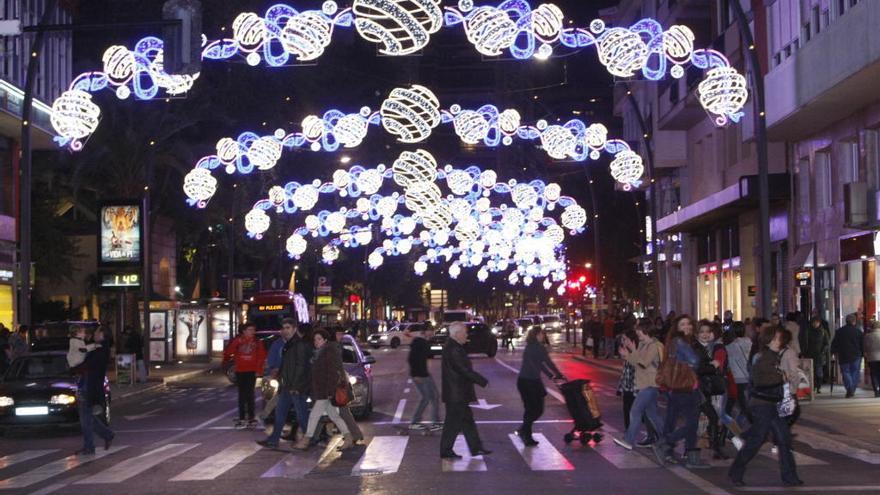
<point x="584" y="410"/>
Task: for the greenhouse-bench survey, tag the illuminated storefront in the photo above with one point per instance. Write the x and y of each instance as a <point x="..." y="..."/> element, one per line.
<point x="719" y="289"/>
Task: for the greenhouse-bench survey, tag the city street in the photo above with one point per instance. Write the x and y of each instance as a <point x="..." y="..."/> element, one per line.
<point x="180" y="440"/>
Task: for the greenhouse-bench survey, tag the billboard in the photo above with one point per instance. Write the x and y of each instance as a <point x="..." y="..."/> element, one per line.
<point x="120" y="234"/>
<point x="192" y="332"/>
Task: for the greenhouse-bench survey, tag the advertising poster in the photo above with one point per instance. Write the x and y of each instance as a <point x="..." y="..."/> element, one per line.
<point x="220" y="324"/>
<point x="157" y="325"/>
<point x="192" y="332"/>
<point x="157" y="351"/>
<point x="120" y="234"/>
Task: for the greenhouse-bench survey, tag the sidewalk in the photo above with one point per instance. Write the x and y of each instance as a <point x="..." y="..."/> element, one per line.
<point x="158" y="377"/>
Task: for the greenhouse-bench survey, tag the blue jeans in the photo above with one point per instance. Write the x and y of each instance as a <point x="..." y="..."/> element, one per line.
<point x="286" y="400"/>
<point x="428" y="391"/>
<point x="686" y="405"/>
<point x="644" y="404"/>
<point x="766" y="420"/>
<point x="850" y="373"/>
<point x="91" y="425"/>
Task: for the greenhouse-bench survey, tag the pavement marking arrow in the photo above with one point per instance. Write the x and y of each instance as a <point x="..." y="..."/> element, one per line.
<point x="482" y="404"/>
<point x="145" y="415"/>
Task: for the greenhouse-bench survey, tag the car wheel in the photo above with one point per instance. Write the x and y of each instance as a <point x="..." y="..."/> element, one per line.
<point x="492" y="350"/>
<point x="230" y="375"/>
<point x="395" y="343"/>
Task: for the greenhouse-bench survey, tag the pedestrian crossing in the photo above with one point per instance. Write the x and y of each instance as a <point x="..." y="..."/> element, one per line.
<point x="382" y="455"/>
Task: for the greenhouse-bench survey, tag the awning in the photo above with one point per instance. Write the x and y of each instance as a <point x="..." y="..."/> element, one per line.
<point x="724" y="204"/>
<point x="803" y="257"/>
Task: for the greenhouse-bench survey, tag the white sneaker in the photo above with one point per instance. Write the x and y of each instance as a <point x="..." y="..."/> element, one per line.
<point x="774" y="450"/>
<point x="737" y="442"/>
<point x="623" y="443"/>
<point x="416" y="426"/>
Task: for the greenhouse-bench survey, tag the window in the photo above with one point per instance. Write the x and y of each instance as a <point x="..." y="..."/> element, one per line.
<point x="849" y="161"/>
<point x="823" y="179"/>
<point x="814" y="19"/>
<point x="806" y="32"/>
<point x="803" y="189"/>
<point x="872" y="158"/>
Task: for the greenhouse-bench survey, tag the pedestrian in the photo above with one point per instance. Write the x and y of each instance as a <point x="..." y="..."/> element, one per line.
<point x="535" y="360"/>
<point x="249" y="355"/>
<point x="872" y="355"/>
<point x="847" y="345"/>
<point x="626" y="385"/>
<point x="354" y="430"/>
<point x="273" y="367"/>
<point x="458" y="379"/>
<point x="817" y="346"/>
<point x="727" y="322"/>
<point x="596" y="330"/>
<point x="791" y="324"/>
<point x="134" y="344"/>
<point x="91" y="397"/>
<point x="789" y="364"/>
<point x="419" y="354"/>
<point x="645" y="354"/>
<point x="712" y="373"/>
<point x="291" y="370"/>
<point x="766" y="391"/>
<point x="5" y="351"/>
<point x="78" y="349"/>
<point x="738" y="352"/>
<point x="608" y="336"/>
<point x="683" y="404"/>
<point x="18" y="343"/>
<point x="327" y="375"/>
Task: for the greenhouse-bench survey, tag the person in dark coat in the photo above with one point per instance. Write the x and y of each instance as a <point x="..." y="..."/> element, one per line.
<point x="327" y="375"/>
<point x="536" y="360"/>
<point x="458" y="379"/>
<point x="91" y="398"/>
<point x="847" y="344"/>
<point x="419" y="353"/>
<point x="816" y="344"/>
<point x="293" y="381"/>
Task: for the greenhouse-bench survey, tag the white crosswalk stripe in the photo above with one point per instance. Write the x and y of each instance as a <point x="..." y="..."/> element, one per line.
<point x="219" y="463"/>
<point x="542" y="457"/>
<point x="383" y="456"/>
<point x="27" y="455"/>
<point x="466" y="463"/>
<point x="130" y="468"/>
<point x="294" y="466"/>
<point x="54" y="468"/>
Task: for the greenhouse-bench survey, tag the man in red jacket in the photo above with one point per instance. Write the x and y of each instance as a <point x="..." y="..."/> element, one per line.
<point x="249" y="355"/>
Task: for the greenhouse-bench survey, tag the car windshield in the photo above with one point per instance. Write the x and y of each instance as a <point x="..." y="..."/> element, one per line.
<point x="36" y="367"/>
<point x="551" y="319"/>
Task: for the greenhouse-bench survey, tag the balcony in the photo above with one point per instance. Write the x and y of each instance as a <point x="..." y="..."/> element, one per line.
<point x="11" y="100"/>
<point x="828" y="78"/>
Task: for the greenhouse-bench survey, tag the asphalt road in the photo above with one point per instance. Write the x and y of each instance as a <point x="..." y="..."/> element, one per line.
<point x="180" y="440"/>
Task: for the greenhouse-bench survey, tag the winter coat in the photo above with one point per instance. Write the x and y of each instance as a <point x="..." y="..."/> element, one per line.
<point x="646" y="359"/>
<point x="92" y="381"/>
<point x="536" y="359"/>
<point x="766" y="375"/>
<point x="249" y="354"/>
<point x="817" y="345"/>
<point x="715" y="351"/>
<point x="327" y="371"/>
<point x="458" y="376"/>
<point x="419" y="353"/>
<point x="738" y="357"/>
<point x="296" y="356"/>
<point x="872" y="346"/>
<point x="847" y="344"/>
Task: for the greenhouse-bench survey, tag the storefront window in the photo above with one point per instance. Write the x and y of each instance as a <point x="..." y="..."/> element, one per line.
<point x="6" y="305"/>
<point x="707" y="290"/>
<point x="851" y="289"/>
<point x="731" y="288"/>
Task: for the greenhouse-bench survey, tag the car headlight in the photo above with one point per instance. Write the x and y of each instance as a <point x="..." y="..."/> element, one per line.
<point x="6" y="401"/>
<point x="273" y="383"/>
<point x="352" y="380"/>
<point x="494" y="331"/>
<point x="62" y="399"/>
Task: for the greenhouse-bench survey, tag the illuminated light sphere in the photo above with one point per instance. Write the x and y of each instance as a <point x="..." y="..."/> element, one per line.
<point x="596" y="136"/>
<point x="441" y="237"/>
<point x="509" y="121"/>
<point x="313" y="127"/>
<point x="723" y="93"/>
<point x="119" y="64"/>
<point x="547" y="22"/>
<point x="375" y="260"/>
<point x="369" y="181"/>
<point x="555" y="234"/>
<point x="277" y="195"/>
<point x="561" y="290"/>
<point x="574" y="217"/>
<point x="547" y="284"/>
<point x="350" y="130"/>
<point x="460" y="208"/>
<point x="513" y="278"/>
<point x="544" y="52"/>
<point x="329" y="7"/>
<point x="414" y="167"/>
<point x="527" y="280"/>
<point x="558" y="142"/>
<point x="678" y="43"/>
<point x="122" y="92"/>
<point x="524" y="196"/>
<point x="465" y="5"/>
<point x="74" y="115"/>
<point x="410" y="113"/>
<point x="454" y="270"/>
<point x="386" y="207"/>
<point x="264" y="153"/>
<point x="407" y="225"/>
<point x="296" y="245"/>
<point x="401" y="27"/>
<point x="490" y="30"/>
<point x="485" y="218"/>
<point x="597" y="26"/>
<point x="460" y="182"/>
<point x="363" y="205"/>
<point x="676" y="71"/>
<point x="488" y="178"/>
<point x="420" y="267"/>
<point x="312" y="222"/>
<point x="253" y="59"/>
<point x="482" y="275"/>
<point x="627" y="167"/>
<point x="256" y="222"/>
<point x="306" y="35"/>
<point x="341" y="179"/>
<point x="335" y="222"/>
<point x="622" y="51"/>
<point x="330" y="253"/>
<point x="471" y="127"/>
<point x="305" y="197"/>
<point x="552" y="192"/>
<point x="363" y="237"/>
<point x="483" y="204"/>
<point x="199" y="185"/>
<point x="467" y="230"/>
<point x="404" y="246"/>
<point x="249" y="31"/>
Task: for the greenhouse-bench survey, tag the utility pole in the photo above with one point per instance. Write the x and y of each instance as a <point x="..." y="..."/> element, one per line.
<point x="757" y="75"/>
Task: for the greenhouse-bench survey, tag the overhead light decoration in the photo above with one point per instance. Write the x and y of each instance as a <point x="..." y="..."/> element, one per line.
<point x="307" y="34"/>
<point x="401" y="27"/>
<point x="627" y="167"/>
<point x="199" y="186"/>
<point x="74" y="115"/>
<point x="410" y="113"/>
<point x="256" y="222"/>
<point x="723" y="93"/>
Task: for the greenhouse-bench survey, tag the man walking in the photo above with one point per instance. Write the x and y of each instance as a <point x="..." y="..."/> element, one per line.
<point x="847" y="344"/>
<point x="91" y="398"/>
<point x="419" y="352"/>
<point x="293" y="379"/>
<point x="273" y="367"/>
<point x="458" y="379"/>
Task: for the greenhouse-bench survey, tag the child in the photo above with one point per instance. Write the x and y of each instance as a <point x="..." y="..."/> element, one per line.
<point x="77" y="348"/>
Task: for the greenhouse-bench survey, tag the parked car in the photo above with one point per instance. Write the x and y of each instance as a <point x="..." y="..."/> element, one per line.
<point x="551" y="323"/>
<point x="39" y="390"/>
<point x="395" y="336"/>
<point x="480" y="340"/>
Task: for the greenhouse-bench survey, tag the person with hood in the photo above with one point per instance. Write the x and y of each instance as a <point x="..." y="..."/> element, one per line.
<point x="458" y="378"/>
<point x="872" y="356"/>
<point x="327" y="375"/>
<point x="847" y="344"/>
<point x="249" y="355"/>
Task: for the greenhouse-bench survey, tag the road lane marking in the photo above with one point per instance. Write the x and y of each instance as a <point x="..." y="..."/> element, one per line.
<point x="194" y="429"/>
<point x="134" y="466"/>
<point x="824" y="488"/>
<point x="27" y="455"/>
<point x="800" y="459"/>
<point x="219" y="463"/>
<point x="466" y="463"/>
<point x="697" y="481"/>
<point x="398" y="414"/>
<point x="823" y="442"/>
<point x="406" y="390"/>
<point x="493" y="422"/>
<point x="54" y="487"/>
<point x="294" y="466"/>
<point x="55" y="468"/>
<point x="622" y="458"/>
<point x="383" y="456"/>
<point x="542" y="457"/>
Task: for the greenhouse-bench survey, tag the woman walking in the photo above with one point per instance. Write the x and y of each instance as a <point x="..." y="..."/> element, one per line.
<point x="645" y="359"/>
<point x="872" y="355"/>
<point x="767" y="391"/>
<point x="327" y="375"/>
<point x="713" y="377"/>
<point x="535" y="360"/>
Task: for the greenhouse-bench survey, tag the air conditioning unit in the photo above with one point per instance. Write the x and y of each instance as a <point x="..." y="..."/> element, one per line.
<point x="855" y="204"/>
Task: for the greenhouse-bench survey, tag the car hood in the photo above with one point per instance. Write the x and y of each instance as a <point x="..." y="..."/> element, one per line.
<point x="38" y="389"/>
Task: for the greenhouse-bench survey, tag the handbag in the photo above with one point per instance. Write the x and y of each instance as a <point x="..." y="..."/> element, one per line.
<point x="713" y="384"/>
<point x="787" y="405"/>
<point x="343" y="394"/>
<point x="675" y="376"/>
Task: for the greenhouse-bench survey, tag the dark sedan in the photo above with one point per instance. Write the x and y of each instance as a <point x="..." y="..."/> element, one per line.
<point x="480" y="340"/>
<point x="38" y="390"/>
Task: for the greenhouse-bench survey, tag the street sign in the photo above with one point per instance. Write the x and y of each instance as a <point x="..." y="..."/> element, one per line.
<point x="324" y="285"/>
<point x="325" y="300"/>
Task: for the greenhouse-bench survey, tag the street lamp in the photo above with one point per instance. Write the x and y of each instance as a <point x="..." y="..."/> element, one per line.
<point x="588" y="265"/>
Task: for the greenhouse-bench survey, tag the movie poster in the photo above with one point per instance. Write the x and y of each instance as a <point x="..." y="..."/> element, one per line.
<point x="157" y="325"/>
<point x="192" y="332"/>
<point x="120" y="234"/>
<point x="157" y="351"/>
